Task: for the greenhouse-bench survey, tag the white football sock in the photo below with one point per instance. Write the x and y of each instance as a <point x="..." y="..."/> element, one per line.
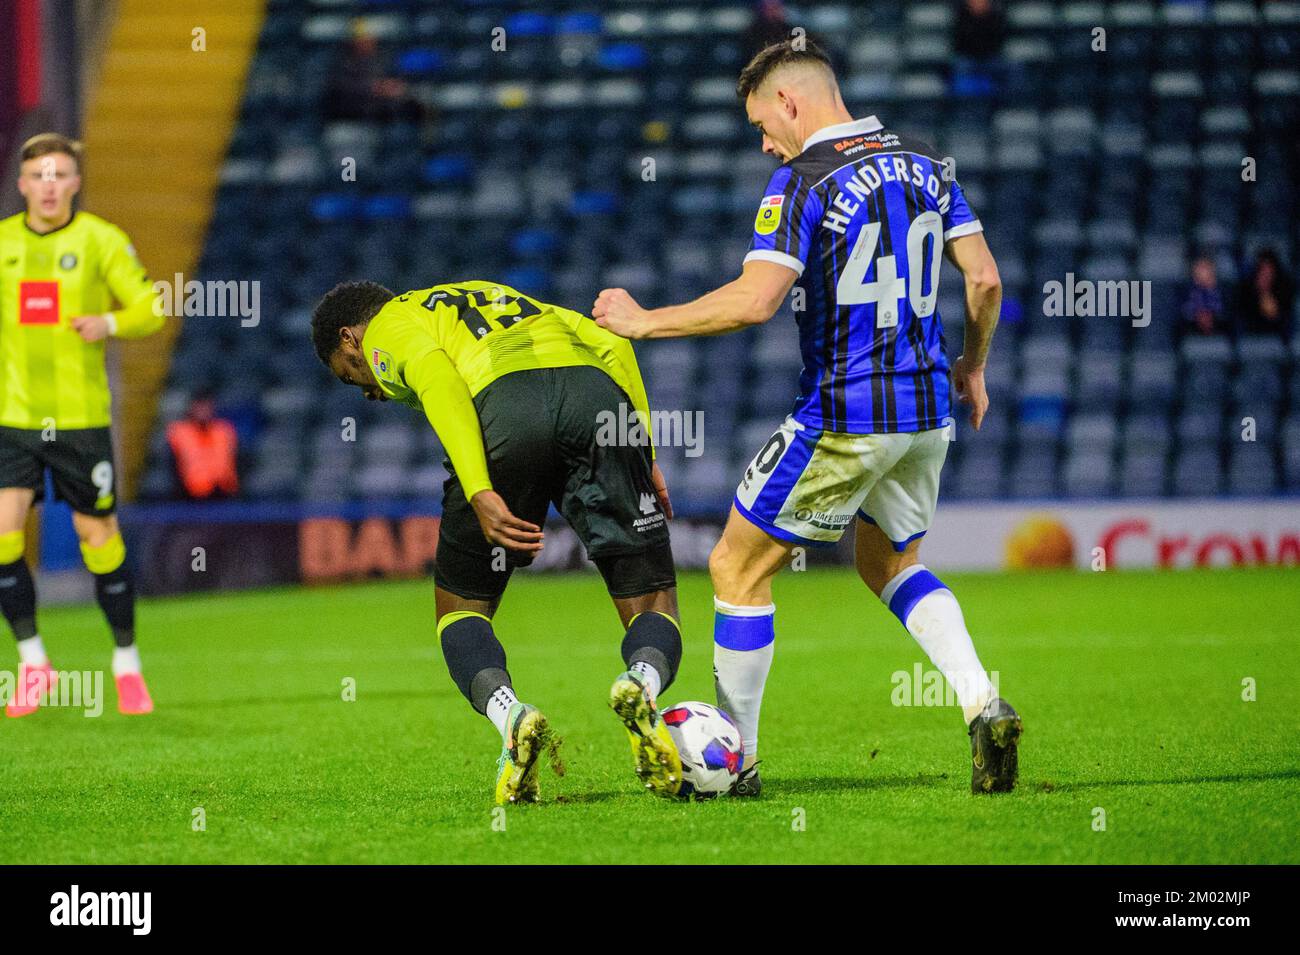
<point x="935" y="620"/>
<point x="740" y="671"/>
<point x="498" y="707"/>
<point x="126" y="660"/>
<point x="32" y="651"/>
<point x="649" y="676"/>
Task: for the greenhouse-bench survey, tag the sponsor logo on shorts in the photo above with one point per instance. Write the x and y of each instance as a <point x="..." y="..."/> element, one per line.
<point x="823" y="519"/>
<point x="649" y="506"/>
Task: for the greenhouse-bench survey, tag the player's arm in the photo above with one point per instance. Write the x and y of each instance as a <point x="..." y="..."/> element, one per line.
<point x="749" y="300"/>
<point x="450" y="409"/>
<point x="784" y="227"/>
<point x="972" y="257"/>
<point x="126" y="278"/>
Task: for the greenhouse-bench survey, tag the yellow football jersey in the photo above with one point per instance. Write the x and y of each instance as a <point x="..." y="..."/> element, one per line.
<point x="435" y="348"/>
<point x="48" y="373"/>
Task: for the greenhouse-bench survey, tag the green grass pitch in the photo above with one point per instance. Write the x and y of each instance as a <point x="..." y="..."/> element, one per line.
<point x="1130" y="684"/>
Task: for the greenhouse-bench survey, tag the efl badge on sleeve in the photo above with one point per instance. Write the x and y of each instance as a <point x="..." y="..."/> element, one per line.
<point x="382" y="363"/>
<point x="38" y="303"/>
<point x="769" y="215"/>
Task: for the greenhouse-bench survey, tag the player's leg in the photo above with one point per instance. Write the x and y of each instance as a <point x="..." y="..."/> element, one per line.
<point x="104" y="553"/>
<point x="476" y="661"/>
<point x="652" y="652"/>
<point x="607" y="494"/>
<point x="18" y="602"/>
<point x="81" y="466"/>
<point x="741" y="566"/>
<point x="895" y="514"/>
<point x="927" y="609"/>
<point x="471" y="575"/>
<point x="799" y="490"/>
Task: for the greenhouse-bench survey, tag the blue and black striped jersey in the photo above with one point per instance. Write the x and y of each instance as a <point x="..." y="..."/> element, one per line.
<point x="862" y="215"/>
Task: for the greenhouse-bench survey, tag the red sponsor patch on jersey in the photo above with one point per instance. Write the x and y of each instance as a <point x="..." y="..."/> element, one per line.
<point x="38" y="303"/>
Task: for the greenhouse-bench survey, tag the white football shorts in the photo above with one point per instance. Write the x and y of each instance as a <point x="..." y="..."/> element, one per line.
<point x="806" y="485"/>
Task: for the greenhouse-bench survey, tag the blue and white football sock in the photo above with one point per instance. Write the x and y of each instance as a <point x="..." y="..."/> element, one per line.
<point x="743" y="643"/>
<point x="931" y="614"/>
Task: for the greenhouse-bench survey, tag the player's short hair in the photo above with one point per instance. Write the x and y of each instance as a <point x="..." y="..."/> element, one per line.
<point x="46" y="144"/>
<point x="345" y="305"/>
<point x="771" y="58"/>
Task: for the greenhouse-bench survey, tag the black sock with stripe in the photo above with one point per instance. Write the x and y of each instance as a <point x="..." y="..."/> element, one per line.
<point x="18" y="598"/>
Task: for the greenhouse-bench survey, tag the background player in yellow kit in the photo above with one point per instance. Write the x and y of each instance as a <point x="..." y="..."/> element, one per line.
<point x="61" y="271"/>
<point x="517" y="390"/>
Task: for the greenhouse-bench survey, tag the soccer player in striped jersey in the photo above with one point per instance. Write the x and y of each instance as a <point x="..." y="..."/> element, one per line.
<point x="524" y="397"/>
<point x="859" y="217"/>
<point x="61" y="270"/>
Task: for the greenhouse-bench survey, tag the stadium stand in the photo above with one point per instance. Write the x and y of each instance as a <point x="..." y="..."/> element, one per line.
<point x="533" y="165"/>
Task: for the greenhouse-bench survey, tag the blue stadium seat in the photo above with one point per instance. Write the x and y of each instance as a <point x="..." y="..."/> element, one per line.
<point x="1198" y="472"/>
<point x="1252" y="471"/>
<point x="1113" y="169"/>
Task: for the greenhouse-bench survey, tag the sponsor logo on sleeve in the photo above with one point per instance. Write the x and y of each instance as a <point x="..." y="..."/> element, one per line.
<point x="382" y="363"/>
<point x="769" y="215"/>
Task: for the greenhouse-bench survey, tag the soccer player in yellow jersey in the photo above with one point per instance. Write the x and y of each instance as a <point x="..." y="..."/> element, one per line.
<point x="61" y="271"/>
<point x="526" y="398"/>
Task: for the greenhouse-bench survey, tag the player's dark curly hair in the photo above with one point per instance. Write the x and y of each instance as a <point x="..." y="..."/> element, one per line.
<point x="771" y="58"/>
<point x="345" y="305"/>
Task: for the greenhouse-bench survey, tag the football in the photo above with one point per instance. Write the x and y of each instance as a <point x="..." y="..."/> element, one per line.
<point x="709" y="744"/>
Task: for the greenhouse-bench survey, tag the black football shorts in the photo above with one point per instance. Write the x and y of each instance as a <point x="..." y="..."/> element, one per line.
<point x="80" y="461"/>
<point x="549" y="440"/>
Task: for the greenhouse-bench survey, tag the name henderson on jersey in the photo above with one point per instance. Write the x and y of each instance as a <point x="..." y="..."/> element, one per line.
<point x="868" y="177"/>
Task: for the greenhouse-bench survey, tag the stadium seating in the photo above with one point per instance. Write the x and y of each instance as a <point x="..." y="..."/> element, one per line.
<point x="533" y="166"/>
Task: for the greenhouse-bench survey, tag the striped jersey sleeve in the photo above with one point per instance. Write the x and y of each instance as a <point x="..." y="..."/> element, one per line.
<point x="958" y="219"/>
<point x="786" y="221"/>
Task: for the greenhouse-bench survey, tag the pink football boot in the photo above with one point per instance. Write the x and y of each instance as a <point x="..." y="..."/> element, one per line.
<point x="34" y="684"/>
<point x="132" y="695"/>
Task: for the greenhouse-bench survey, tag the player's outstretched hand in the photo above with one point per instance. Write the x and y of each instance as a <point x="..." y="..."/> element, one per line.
<point x="618" y="311"/>
<point x="502" y="527"/>
<point x="91" y="327"/>
<point x="969" y="382"/>
<point x="661" y="490"/>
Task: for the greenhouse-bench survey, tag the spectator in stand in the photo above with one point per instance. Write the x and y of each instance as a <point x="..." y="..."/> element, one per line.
<point x="360" y="88"/>
<point x="204" y="451"/>
<point x="1203" y="312"/>
<point x="978" y="35"/>
<point x="1266" y="301"/>
<point x="980" y="31"/>
<point x="770" y="25"/>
